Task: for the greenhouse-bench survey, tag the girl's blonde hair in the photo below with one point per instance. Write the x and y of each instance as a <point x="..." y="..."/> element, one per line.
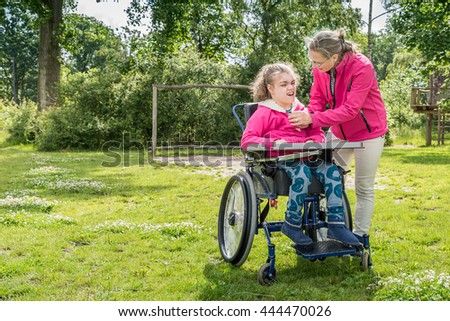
<point x="266" y="76"/>
<point x="329" y="42"/>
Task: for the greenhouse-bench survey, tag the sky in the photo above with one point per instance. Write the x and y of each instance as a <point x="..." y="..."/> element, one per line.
<point x="112" y="13"/>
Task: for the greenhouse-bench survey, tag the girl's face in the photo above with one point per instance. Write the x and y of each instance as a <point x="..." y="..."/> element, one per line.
<point x="321" y="62"/>
<point x="283" y="89"/>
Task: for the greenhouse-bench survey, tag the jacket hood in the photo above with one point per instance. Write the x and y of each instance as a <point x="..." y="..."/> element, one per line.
<point x="270" y="103"/>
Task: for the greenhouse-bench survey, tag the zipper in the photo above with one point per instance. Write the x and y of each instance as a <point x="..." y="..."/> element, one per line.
<point x="342" y="131"/>
<point x="365" y="120"/>
<point x="334" y="103"/>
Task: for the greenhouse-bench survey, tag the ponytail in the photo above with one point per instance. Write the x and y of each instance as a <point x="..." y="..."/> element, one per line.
<point x="329" y="42"/>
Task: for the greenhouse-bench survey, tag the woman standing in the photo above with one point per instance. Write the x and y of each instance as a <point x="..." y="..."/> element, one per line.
<point x="345" y="97"/>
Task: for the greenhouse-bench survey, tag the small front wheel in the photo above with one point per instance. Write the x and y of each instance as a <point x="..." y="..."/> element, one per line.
<point x="365" y="263"/>
<point x="264" y="276"/>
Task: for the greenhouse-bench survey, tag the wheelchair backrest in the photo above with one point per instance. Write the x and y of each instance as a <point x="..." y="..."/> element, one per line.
<point x="249" y="109"/>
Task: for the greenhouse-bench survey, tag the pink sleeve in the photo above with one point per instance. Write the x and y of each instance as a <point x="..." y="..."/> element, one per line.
<point x="255" y="129"/>
<point x="361" y="84"/>
<point x="315" y="134"/>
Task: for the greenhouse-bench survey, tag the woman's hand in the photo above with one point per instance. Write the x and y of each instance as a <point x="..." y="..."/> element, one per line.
<point x="300" y="119"/>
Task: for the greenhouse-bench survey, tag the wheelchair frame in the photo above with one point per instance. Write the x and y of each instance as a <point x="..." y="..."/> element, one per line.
<point x="241" y="214"/>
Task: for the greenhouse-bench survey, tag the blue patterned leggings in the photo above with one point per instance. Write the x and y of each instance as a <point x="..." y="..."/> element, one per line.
<point x="300" y="172"/>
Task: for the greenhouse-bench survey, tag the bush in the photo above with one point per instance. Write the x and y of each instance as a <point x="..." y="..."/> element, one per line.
<point x="405" y="72"/>
<point x="20" y="121"/>
<point x="101" y="106"/>
<point x="84" y="119"/>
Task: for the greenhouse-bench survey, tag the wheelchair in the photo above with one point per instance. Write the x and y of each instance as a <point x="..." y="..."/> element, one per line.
<point x="242" y="213"/>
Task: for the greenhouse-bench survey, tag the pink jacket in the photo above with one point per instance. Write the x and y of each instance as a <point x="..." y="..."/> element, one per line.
<point x="358" y="112"/>
<point x="270" y="123"/>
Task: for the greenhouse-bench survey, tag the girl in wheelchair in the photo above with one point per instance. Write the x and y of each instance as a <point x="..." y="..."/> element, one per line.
<point x="275" y="88"/>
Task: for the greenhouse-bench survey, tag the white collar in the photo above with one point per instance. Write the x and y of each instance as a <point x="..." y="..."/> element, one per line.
<point x="270" y="103"/>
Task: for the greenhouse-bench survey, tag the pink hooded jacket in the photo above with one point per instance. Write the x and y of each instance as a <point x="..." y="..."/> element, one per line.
<point x="270" y="123"/>
<point x="358" y="112"/>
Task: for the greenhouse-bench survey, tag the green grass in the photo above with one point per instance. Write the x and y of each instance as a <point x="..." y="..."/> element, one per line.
<point x="71" y="229"/>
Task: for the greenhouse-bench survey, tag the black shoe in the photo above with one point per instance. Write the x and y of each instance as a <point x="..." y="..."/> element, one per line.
<point x="295" y="234"/>
<point x="341" y="233"/>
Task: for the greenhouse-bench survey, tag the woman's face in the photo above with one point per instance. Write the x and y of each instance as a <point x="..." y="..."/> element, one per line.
<point x="321" y="62"/>
<point x="283" y="89"/>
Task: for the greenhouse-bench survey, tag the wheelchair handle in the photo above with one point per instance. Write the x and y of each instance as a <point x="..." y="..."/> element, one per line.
<point x="235" y="108"/>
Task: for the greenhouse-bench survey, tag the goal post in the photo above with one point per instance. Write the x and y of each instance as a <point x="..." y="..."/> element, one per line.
<point x="155" y="88"/>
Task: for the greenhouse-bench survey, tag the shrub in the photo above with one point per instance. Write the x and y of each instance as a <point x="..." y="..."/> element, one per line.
<point x="101" y="106"/>
<point x="84" y="119"/>
<point x="403" y="73"/>
<point x="20" y="121"/>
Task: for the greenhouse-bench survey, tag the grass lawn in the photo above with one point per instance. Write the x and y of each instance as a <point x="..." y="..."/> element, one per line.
<point x="72" y="229"/>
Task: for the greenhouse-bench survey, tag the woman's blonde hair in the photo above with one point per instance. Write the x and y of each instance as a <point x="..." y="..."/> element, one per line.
<point x="266" y="76"/>
<point x="329" y="42"/>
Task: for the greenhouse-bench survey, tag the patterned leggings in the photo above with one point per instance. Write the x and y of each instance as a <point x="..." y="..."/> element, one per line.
<point x="300" y="172"/>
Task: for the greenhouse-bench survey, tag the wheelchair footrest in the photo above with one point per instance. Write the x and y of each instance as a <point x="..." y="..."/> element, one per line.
<point x="323" y="249"/>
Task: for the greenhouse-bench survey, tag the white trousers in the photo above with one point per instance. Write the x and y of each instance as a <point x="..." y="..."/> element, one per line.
<point x="366" y="164"/>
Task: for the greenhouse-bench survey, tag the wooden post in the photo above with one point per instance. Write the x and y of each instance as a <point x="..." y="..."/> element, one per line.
<point x="439" y="128"/>
<point x="154" y="120"/>
<point x="429" y="127"/>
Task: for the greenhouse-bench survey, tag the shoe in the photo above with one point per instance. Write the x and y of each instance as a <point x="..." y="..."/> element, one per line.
<point x="341" y="233"/>
<point x="295" y="234"/>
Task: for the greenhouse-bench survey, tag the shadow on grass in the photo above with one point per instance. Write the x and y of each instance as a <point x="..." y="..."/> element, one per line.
<point x="335" y="279"/>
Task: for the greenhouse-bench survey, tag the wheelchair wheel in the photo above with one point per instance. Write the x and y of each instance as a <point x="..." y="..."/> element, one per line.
<point x="263" y="275"/>
<point x="237" y="219"/>
<point x="365" y="262"/>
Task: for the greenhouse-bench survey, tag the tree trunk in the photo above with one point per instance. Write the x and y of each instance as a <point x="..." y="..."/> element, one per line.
<point x="49" y="55"/>
<point x="15" y="83"/>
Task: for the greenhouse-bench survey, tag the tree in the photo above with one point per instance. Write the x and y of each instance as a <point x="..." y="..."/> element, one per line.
<point x="385" y="45"/>
<point x="50" y="19"/>
<point x="405" y="71"/>
<point x="18" y="53"/>
<point x="275" y="30"/>
<point x="49" y="53"/>
<point x="88" y="43"/>
<point x="207" y="25"/>
<point x="424" y="25"/>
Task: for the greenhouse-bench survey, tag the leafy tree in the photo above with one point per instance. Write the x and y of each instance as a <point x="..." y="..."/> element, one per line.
<point x="208" y="25"/>
<point x="18" y="53"/>
<point x="385" y="45"/>
<point x="275" y="31"/>
<point x="424" y="25"/>
<point x="406" y="70"/>
<point x="88" y="43"/>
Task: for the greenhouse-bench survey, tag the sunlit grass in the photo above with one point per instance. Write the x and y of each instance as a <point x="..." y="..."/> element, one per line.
<point x="152" y="233"/>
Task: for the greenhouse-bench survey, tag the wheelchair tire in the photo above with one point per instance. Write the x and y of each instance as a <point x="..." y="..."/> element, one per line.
<point x="263" y="275"/>
<point x="237" y="219"/>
